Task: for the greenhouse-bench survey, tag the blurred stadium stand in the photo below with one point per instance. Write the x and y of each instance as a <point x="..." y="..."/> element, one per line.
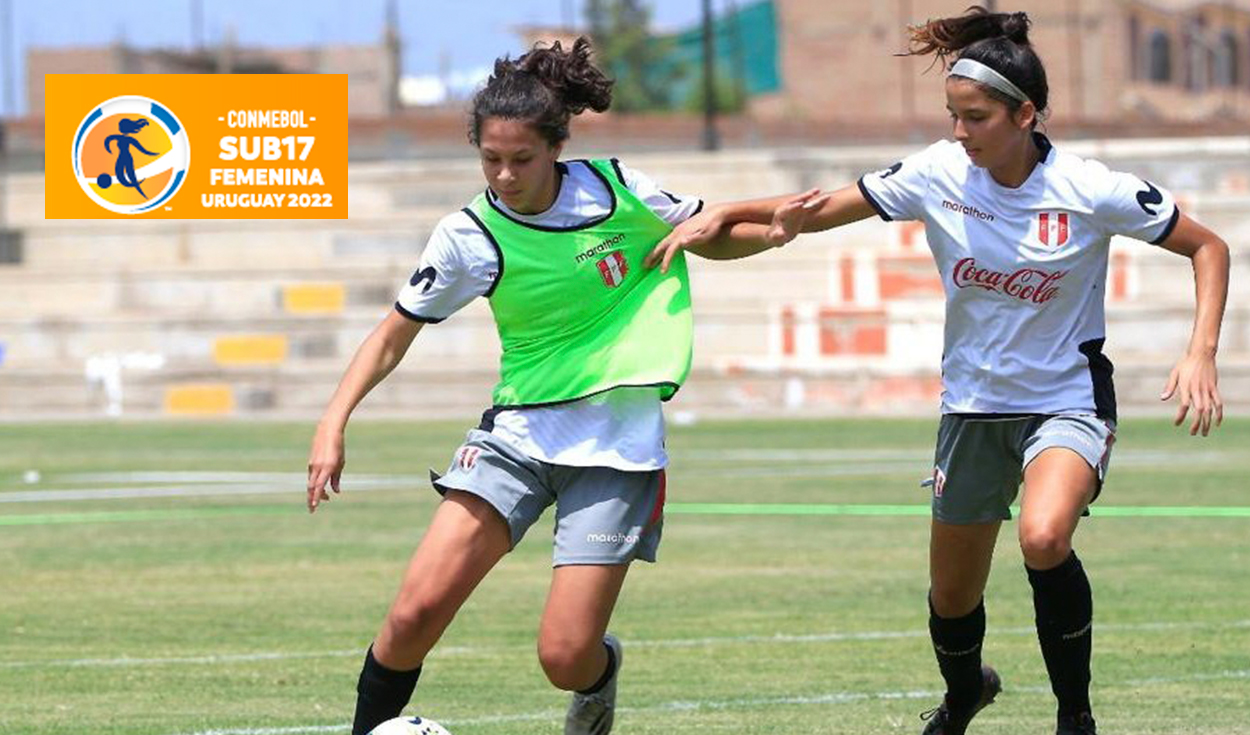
<point x="260" y="318"/>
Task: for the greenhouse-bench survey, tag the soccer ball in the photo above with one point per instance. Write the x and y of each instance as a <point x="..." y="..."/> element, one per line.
<point x="409" y="726"/>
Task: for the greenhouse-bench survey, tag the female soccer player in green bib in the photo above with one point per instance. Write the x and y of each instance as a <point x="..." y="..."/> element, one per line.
<point x="592" y="342"/>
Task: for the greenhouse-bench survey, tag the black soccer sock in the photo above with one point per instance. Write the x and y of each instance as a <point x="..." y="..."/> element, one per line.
<point x="607" y="673"/>
<point x="381" y="694"/>
<point x="957" y="644"/>
<point x="1065" y="625"/>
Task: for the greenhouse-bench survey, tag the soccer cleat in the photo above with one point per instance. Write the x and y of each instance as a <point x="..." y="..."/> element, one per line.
<point x="942" y="721"/>
<point x="592" y="714"/>
<point x="1081" y="724"/>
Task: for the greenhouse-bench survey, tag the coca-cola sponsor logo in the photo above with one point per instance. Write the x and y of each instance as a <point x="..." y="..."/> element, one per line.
<point x="1027" y="284"/>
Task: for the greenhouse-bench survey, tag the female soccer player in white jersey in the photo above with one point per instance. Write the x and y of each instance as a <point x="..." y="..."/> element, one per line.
<point x="592" y="343"/>
<point x="1020" y="232"/>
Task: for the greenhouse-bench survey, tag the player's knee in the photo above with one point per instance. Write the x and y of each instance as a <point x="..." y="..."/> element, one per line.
<point x="1044" y="546"/>
<point x="564" y="661"/>
<point x="414" y="618"/>
<point x="954" y="602"/>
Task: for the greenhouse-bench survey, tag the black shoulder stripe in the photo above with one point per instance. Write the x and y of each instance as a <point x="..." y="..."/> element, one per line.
<point x="616" y="166"/>
<point x="416" y="317"/>
<point x="1171" y="225"/>
<point x="494" y="243"/>
<point x="671" y="198"/>
<point x="864" y="190"/>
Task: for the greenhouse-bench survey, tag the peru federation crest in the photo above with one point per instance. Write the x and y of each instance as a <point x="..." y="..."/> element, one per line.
<point x="613" y="268"/>
<point x="1052" y="228"/>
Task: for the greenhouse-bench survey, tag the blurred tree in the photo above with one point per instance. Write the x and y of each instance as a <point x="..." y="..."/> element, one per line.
<point x="730" y="97"/>
<point x="626" y="49"/>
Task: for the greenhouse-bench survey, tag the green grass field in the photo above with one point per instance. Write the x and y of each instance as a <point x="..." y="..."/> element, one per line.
<point x="199" y="596"/>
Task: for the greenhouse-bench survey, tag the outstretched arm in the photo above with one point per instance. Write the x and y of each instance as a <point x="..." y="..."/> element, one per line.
<point x="720" y="231"/>
<point x="1195" y="376"/>
<point x="743" y="239"/>
<point x="378" y="355"/>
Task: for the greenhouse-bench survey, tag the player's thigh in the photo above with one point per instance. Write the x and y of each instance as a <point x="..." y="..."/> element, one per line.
<point x="960" y="556"/>
<point x="464" y="541"/>
<point x="1066" y="461"/>
<point x="580" y="603"/>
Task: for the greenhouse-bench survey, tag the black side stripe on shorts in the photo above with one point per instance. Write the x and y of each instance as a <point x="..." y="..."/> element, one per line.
<point x="488" y="419"/>
<point x="1100" y="370"/>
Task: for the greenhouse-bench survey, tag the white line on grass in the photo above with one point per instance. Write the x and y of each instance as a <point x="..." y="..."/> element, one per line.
<point x="724" y="704"/>
<point x="294" y="489"/>
<point x="447" y="651"/>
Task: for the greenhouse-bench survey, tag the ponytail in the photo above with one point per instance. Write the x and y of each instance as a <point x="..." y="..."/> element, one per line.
<point x="545" y="87"/>
<point x="998" y="40"/>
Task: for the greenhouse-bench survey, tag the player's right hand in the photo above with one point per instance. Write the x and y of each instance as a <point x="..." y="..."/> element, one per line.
<point x="325" y="464"/>
<point x="699" y="229"/>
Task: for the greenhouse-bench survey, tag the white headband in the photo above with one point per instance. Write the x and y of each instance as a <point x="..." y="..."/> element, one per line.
<point x="979" y="72"/>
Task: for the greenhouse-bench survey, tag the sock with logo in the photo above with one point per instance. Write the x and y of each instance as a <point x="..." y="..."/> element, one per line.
<point x="381" y="694"/>
<point x="607" y="673"/>
<point x="1064" y="606"/>
<point x="957" y="644"/>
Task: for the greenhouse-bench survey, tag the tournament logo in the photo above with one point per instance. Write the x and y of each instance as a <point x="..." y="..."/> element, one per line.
<point x="1052" y="228"/>
<point x="131" y="155"/>
<point x="613" y="269"/>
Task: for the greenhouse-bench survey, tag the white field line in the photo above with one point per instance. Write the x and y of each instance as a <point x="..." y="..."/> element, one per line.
<point x="701" y="705"/>
<point x="731" y="462"/>
<point x="449" y="651"/>
<point x="294" y="488"/>
<point x="922" y="454"/>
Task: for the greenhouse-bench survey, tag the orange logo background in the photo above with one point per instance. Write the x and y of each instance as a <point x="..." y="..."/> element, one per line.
<point x="202" y="103"/>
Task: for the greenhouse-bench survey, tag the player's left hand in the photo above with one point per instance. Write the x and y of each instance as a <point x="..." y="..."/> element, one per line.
<point x="789" y="218"/>
<point x="1195" y="378"/>
<point x="702" y="228"/>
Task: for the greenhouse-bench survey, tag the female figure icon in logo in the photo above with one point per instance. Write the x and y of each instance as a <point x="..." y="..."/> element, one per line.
<point x="125" y="167"/>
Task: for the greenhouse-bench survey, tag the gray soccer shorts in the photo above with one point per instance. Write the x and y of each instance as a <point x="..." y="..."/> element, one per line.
<point x="603" y="515"/>
<point x="980" y="459"/>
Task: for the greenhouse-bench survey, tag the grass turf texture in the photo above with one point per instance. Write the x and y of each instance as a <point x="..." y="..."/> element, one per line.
<point x="242" y="614"/>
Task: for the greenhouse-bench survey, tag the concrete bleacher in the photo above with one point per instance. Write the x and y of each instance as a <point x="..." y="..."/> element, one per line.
<point x="260" y="318"/>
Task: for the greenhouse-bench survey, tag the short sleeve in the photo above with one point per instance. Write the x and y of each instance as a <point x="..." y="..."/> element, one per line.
<point x="898" y="192"/>
<point x="1133" y="207"/>
<point x="459" y="264"/>
<point x="672" y="208"/>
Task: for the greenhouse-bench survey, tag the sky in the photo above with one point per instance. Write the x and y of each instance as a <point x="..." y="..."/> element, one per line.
<point x="469" y="34"/>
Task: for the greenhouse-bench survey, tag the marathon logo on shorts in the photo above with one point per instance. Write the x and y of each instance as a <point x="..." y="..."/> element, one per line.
<point x="939" y="482"/>
<point x="611" y="538"/>
<point x="466" y="457"/>
<point x="613" y="269"/>
<point x="1052" y="228"/>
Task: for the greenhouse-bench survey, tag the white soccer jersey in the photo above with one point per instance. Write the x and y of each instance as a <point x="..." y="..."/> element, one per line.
<point x="623" y="428"/>
<point x="1024" y="271"/>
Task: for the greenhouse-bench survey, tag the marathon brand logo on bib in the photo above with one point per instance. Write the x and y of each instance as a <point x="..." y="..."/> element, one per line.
<point x="267" y="146"/>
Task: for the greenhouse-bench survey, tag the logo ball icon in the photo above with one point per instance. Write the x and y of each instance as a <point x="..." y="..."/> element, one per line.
<point x="131" y="155"/>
